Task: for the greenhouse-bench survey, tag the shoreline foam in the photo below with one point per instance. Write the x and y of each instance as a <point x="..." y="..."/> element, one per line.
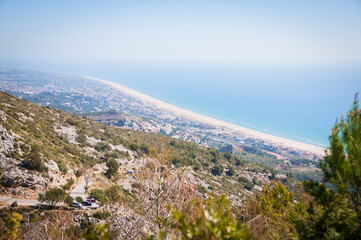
<point x="212" y="121"/>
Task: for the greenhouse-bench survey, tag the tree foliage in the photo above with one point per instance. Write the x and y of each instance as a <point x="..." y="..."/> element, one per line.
<point x="53" y="196"/>
<point x="267" y="214"/>
<point x="98" y="194"/>
<point x="212" y="219"/>
<point x="330" y="214"/>
<point x="9" y="224"/>
<point x="69" y="200"/>
<point x="342" y="165"/>
<point x="113" y="167"/>
<point x="217" y="170"/>
<point x="326" y="215"/>
<point x="33" y="160"/>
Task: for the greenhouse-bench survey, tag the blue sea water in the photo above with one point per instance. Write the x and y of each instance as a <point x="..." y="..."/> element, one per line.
<point x="300" y="103"/>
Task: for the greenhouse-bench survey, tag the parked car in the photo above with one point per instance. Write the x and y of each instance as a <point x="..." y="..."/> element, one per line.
<point x="77" y="205"/>
<point x="91" y="200"/>
<point x="85" y="203"/>
<point x="130" y="171"/>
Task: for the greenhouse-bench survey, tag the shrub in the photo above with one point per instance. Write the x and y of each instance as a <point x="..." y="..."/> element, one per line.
<point x="69" y="200"/>
<point x="246" y="183"/>
<point x="102" y="147"/>
<point x="230" y="171"/>
<point x="102" y="215"/>
<point x="213" y="221"/>
<point x="134" y="147"/>
<point x="62" y="167"/>
<point x="98" y="194"/>
<point x="202" y="189"/>
<point x="144" y="148"/>
<point x="33" y="160"/>
<point x="14" y="204"/>
<point x="227" y="155"/>
<point x="238" y="161"/>
<point x="217" y="170"/>
<point x="113" y="194"/>
<point x="68" y="185"/>
<point x="52" y="197"/>
<point x="81" y="139"/>
<point x="113" y="167"/>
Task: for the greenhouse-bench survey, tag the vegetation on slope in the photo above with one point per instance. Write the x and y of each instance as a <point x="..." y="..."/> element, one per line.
<point x="75" y="142"/>
<point x="165" y="209"/>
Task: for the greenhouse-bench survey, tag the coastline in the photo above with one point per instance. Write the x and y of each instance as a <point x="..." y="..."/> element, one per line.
<point x="212" y="121"/>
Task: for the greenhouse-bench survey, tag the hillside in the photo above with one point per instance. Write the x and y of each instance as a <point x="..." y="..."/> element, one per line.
<point x="43" y="148"/>
<point x="150" y="186"/>
<point x="106" y="104"/>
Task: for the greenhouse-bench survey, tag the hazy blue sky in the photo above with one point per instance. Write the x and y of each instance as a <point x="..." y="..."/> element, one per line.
<point x="180" y="31"/>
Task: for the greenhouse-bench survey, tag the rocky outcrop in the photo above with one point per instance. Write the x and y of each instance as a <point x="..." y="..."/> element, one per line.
<point x="6" y="144"/>
<point x="68" y="132"/>
<point x="14" y="177"/>
<point x="6" y="140"/>
<point x="56" y="178"/>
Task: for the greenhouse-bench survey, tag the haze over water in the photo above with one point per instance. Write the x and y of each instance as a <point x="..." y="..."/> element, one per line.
<point x="287" y="68"/>
<point x="299" y="103"/>
<point x="296" y="103"/>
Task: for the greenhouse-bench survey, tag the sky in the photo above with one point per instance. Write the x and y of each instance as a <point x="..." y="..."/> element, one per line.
<point x="226" y="31"/>
<point x="261" y="54"/>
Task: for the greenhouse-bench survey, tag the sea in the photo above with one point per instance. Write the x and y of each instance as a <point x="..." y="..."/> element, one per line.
<point x="297" y="101"/>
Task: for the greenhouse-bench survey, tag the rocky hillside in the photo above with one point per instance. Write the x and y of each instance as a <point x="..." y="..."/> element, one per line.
<point x="42" y="148"/>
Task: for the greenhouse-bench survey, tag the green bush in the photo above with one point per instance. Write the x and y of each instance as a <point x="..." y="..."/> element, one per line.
<point x="227" y="155"/>
<point x="246" y="183"/>
<point x="134" y="147"/>
<point x="69" y="200"/>
<point x="98" y="194"/>
<point x="144" y="148"/>
<point x="68" y="185"/>
<point x="53" y="196"/>
<point x="230" y="171"/>
<point x="81" y="139"/>
<point x="33" y="160"/>
<point x="113" y="167"/>
<point x="62" y="167"/>
<point x="217" y="170"/>
<point x="213" y="221"/>
<point x="238" y="161"/>
<point x="102" y="215"/>
<point x="202" y="189"/>
<point x="102" y="147"/>
<point x="113" y="194"/>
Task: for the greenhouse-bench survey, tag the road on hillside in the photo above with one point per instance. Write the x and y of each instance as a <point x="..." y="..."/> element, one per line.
<point x="27" y="202"/>
<point x="79" y="191"/>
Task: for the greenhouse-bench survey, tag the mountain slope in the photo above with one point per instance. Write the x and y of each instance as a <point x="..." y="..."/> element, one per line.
<point x="43" y="148"/>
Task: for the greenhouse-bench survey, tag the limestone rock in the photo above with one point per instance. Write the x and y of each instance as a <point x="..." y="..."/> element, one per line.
<point x="52" y="166"/>
<point x="6" y="141"/>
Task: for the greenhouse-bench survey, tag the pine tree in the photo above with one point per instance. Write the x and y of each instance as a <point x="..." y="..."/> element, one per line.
<point x="342" y="165"/>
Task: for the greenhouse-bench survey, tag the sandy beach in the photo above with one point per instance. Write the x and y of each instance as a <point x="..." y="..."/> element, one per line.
<point x="212" y="121"/>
